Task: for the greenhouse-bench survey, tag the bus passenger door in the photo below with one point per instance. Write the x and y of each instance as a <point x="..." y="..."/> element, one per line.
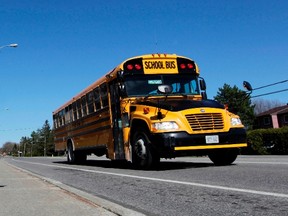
<point x="116" y="120"/>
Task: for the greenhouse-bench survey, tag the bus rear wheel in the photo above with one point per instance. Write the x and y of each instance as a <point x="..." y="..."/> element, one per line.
<point x="143" y="156"/>
<point x="70" y="154"/>
<point x="222" y="157"/>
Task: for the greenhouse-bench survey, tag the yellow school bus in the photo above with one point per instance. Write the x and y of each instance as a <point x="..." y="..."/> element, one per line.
<point x="148" y="107"/>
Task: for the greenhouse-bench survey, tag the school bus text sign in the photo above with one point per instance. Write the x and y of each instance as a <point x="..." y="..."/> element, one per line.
<point x="160" y="65"/>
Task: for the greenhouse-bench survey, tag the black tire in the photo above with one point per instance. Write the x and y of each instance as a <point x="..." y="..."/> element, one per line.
<point x="143" y="155"/>
<point x="75" y="157"/>
<point x="222" y="157"/>
<point x="70" y="154"/>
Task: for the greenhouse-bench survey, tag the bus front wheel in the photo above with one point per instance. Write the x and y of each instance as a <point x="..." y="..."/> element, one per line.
<point x="143" y="156"/>
<point x="222" y="157"/>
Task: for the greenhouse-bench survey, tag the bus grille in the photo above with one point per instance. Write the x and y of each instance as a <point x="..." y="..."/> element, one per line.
<point x="205" y="121"/>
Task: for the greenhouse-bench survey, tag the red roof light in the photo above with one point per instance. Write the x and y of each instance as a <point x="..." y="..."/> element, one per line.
<point x="130" y="67"/>
<point x="190" y="66"/>
<point x="182" y="66"/>
<point x="138" y="66"/>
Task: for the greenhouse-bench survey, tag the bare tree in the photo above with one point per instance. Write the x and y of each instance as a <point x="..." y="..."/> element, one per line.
<point x="9" y="148"/>
<point x="262" y="105"/>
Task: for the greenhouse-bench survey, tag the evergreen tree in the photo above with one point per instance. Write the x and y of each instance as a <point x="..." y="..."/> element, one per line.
<point x="47" y="139"/>
<point x="238" y="102"/>
<point x="41" y="142"/>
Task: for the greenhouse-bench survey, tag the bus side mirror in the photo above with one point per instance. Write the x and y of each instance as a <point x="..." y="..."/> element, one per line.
<point x="202" y="84"/>
<point x="247" y="86"/>
<point x="204" y="95"/>
<point x="122" y="90"/>
<point x="120" y="75"/>
<point x="203" y="88"/>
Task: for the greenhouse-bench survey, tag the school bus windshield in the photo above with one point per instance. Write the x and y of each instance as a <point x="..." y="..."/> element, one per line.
<point x="143" y="85"/>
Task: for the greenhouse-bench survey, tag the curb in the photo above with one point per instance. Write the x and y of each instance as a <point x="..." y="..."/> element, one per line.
<point x="84" y="196"/>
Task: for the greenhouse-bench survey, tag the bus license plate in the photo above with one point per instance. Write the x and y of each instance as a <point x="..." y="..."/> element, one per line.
<point x="212" y="139"/>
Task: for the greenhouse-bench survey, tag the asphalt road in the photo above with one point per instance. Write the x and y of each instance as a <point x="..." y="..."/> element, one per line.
<point x="253" y="185"/>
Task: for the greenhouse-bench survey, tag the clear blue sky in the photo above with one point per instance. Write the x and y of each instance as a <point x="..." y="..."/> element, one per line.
<point x="66" y="45"/>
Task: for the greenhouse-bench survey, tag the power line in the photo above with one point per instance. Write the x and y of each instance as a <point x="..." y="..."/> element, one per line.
<point x="270" y="85"/>
<point x="265" y="86"/>
<point x="269" y="93"/>
<point x="17" y="129"/>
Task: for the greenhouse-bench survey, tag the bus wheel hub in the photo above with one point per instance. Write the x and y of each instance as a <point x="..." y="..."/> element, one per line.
<point x="140" y="148"/>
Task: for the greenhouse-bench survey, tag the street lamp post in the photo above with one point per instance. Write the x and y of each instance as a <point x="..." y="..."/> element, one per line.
<point x="9" y="45"/>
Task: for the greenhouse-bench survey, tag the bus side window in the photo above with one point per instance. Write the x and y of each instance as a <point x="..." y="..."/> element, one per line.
<point x="55" y="118"/>
<point x="97" y="98"/>
<point x="67" y="115"/>
<point x="104" y="95"/>
<point x="90" y="102"/>
<point x="61" y="118"/>
<point x="79" y="110"/>
<point x="58" y="120"/>
<point x="70" y="113"/>
<point x="74" y="108"/>
<point x="84" y="106"/>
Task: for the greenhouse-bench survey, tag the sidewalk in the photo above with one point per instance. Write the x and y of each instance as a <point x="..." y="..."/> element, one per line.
<point x="24" y="194"/>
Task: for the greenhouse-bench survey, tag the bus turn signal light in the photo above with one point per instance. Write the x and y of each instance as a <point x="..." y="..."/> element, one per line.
<point x="190" y="66"/>
<point x="184" y="66"/>
<point x="136" y="66"/>
<point x="130" y="67"/>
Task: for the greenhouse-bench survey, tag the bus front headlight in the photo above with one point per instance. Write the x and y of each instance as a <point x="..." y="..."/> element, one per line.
<point x="235" y="121"/>
<point x="170" y="125"/>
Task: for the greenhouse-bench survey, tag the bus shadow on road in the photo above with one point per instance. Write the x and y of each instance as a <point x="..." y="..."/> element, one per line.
<point x="174" y="165"/>
<point x="162" y="166"/>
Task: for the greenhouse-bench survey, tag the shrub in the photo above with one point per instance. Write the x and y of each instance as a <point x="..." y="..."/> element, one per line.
<point x="267" y="141"/>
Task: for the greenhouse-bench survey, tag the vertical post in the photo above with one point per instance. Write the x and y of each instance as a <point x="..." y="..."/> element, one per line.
<point x="32" y="147"/>
<point x="45" y="146"/>
<point x="24" y="150"/>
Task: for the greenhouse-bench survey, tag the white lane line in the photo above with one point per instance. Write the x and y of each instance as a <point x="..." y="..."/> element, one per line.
<point x="279" y="195"/>
<point x="259" y="162"/>
<point x="238" y="161"/>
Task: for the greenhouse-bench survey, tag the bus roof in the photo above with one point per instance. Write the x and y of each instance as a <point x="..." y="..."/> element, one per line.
<point x="113" y="72"/>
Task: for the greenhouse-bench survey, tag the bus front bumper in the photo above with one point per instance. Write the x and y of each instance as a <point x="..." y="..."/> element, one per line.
<point x="173" y="144"/>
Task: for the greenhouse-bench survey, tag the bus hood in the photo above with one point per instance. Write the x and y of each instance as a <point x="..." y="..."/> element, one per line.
<point x="178" y="105"/>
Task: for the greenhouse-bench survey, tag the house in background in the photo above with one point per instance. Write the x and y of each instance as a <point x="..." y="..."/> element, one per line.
<point x="273" y="118"/>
